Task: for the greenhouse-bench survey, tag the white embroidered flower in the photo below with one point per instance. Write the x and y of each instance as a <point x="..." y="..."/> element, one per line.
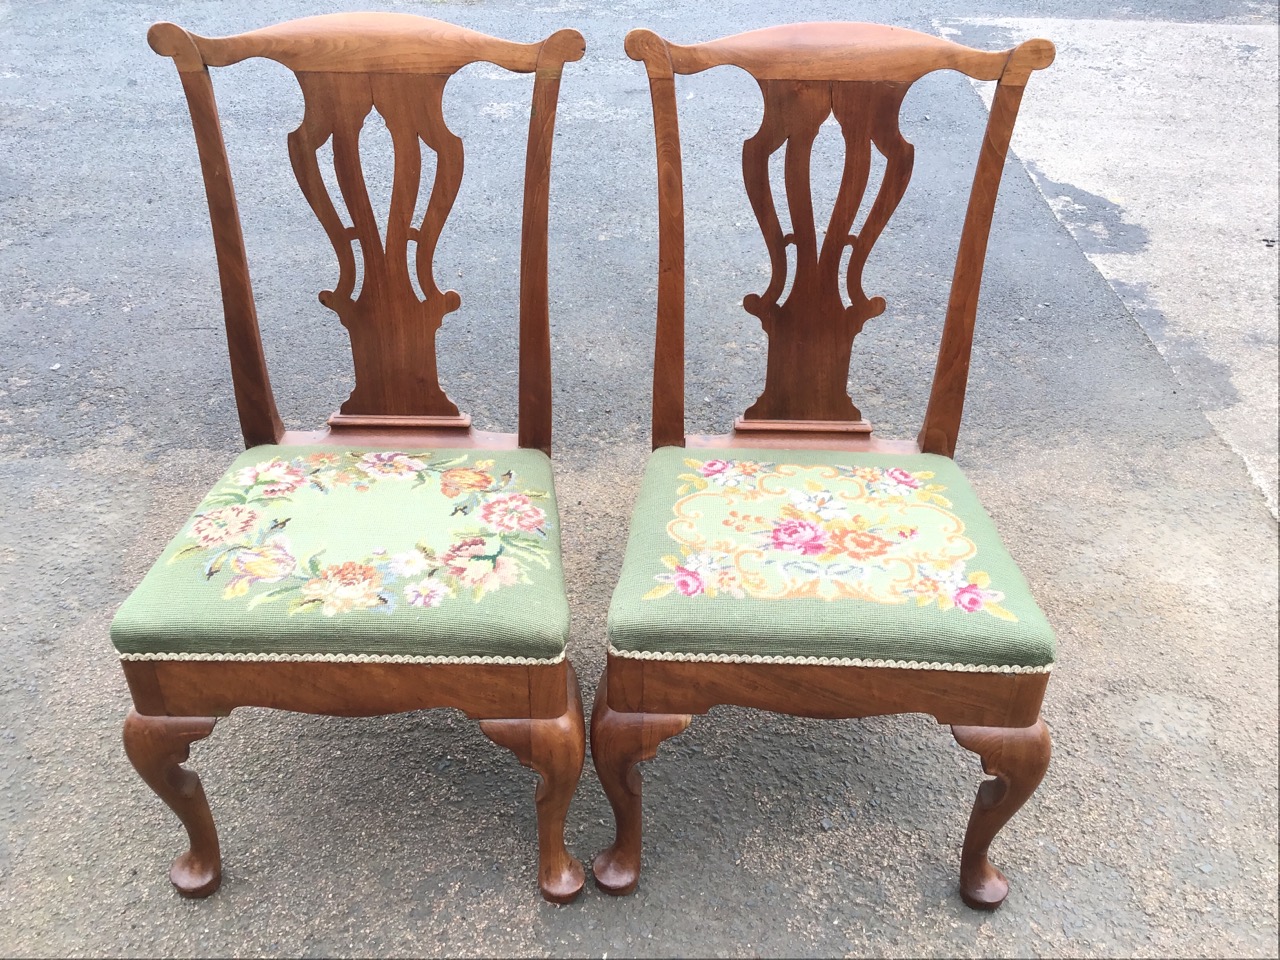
<point x="821" y="503"/>
<point x="427" y="593"/>
<point x="275" y="477"/>
<point x="409" y="564"/>
<point x="703" y="564"/>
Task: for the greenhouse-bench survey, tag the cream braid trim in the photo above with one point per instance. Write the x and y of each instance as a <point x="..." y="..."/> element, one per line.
<point x="825" y="661"/>
<point x="340" y="658"/>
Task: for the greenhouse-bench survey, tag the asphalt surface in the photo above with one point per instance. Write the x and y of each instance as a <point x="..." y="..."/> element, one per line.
<point x="1147" y="542"/>
<point x="1182" y="226"/>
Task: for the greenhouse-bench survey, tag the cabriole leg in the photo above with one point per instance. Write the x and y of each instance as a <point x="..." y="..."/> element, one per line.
<point x="1017" y="758"/>
<point x="555" y="750"/>
<point x="620" y="741"/>
<point x="157" y="747"/>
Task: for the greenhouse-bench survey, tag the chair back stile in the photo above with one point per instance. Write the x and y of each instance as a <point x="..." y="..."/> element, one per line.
<point x="858" y="73"/>
<point x="347" y="66"/>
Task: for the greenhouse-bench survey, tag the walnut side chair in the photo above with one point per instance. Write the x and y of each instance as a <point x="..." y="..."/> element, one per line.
<point x="396" y="559"/>
<point x="800" y="564"/>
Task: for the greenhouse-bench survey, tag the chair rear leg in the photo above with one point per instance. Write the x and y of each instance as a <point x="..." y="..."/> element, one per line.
<point x="157" y="747"/>
<point x="555" y="750"/>
<point x="1017" y="758"/>
<point x="620" y="741"/>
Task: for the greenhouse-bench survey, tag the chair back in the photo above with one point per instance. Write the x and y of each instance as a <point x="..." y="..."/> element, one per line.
<point x="348" y="65"/>
<point x="859" y="74"/>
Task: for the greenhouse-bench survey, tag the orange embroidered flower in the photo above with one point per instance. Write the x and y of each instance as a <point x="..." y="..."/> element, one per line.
<point x="345" y="586"/>
<point x="858" y="543"/>
<point x="455" y="481"/>
<point x="926" y="589"/>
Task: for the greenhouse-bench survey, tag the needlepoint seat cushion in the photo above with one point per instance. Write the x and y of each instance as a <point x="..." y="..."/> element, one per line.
<point x="336" y="553"/>
<point x="821" y="556"/>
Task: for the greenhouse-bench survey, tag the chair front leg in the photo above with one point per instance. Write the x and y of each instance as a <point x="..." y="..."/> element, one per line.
<point x="555" y="750"/>
<point x="1017" y="758"/>
<point x="157" y="747"/>
<point x="620" y="741"/>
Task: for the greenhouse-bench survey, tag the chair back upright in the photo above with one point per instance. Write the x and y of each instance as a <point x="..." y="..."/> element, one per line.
<point x="348" y="65"/>
<point x="859" y="74"/>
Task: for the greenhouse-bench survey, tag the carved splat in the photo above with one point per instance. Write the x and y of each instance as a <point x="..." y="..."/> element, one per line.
<point x="392" y="329"/>
<point x="811" y="332"/>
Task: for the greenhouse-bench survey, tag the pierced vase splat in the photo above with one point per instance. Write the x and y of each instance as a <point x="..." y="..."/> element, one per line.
<point x="811" y="331"/>
<point x="392" y="329"/>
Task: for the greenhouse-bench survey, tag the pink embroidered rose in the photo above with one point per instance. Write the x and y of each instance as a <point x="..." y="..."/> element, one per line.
<point x="456" y="557"/>
<point x="276" y="477"/>
<point x="713" y="468"/>
<point x="901" y="477"/>
<point x="484" y="575"/>
<point x="511" y="513"/>
<point x="392" y="465"/>
<point x="968" y="598"/>
<point x="798" y="536"/>
<point x="224" y="525"/>
<point x="687" y="582"/>
<point x="427" y="593"/>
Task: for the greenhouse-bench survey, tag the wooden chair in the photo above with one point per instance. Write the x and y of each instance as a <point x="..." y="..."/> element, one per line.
<point x="800" y="564"/>
<point x="396" y="559"/>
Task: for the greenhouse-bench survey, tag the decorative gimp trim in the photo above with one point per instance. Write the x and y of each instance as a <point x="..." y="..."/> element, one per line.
<point x="342" y="658"/>
<point x="826" y="661"/>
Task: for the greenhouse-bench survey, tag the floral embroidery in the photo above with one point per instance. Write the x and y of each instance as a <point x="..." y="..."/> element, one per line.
<point x="343" y="587"/>
<point x="781" y="531"/>
<point x="513" y="512"/>
<point x="268" y="562"/>
<point x="275" y="478"/>
<point x="458" y="479"/>
<point x="225" y="525"/>
<point x="242" y="536"/>
<point x="428" y="593"/>
<point x="398" y="465"/>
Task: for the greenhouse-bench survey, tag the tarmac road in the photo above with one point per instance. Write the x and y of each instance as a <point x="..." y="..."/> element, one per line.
<point x="1146" y="540"/>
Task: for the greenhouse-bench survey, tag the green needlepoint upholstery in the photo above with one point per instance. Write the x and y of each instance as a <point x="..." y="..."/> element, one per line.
<point x="355" y="552"/>
<point x="775" y="554"/>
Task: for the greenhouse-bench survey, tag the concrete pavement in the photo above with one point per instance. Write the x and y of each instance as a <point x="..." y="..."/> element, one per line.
<point x="1145" y="538"/>
<point x="1156" y="145"/>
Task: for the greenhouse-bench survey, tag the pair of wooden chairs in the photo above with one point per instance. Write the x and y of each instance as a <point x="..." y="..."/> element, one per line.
<point x="398" y="559"/>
